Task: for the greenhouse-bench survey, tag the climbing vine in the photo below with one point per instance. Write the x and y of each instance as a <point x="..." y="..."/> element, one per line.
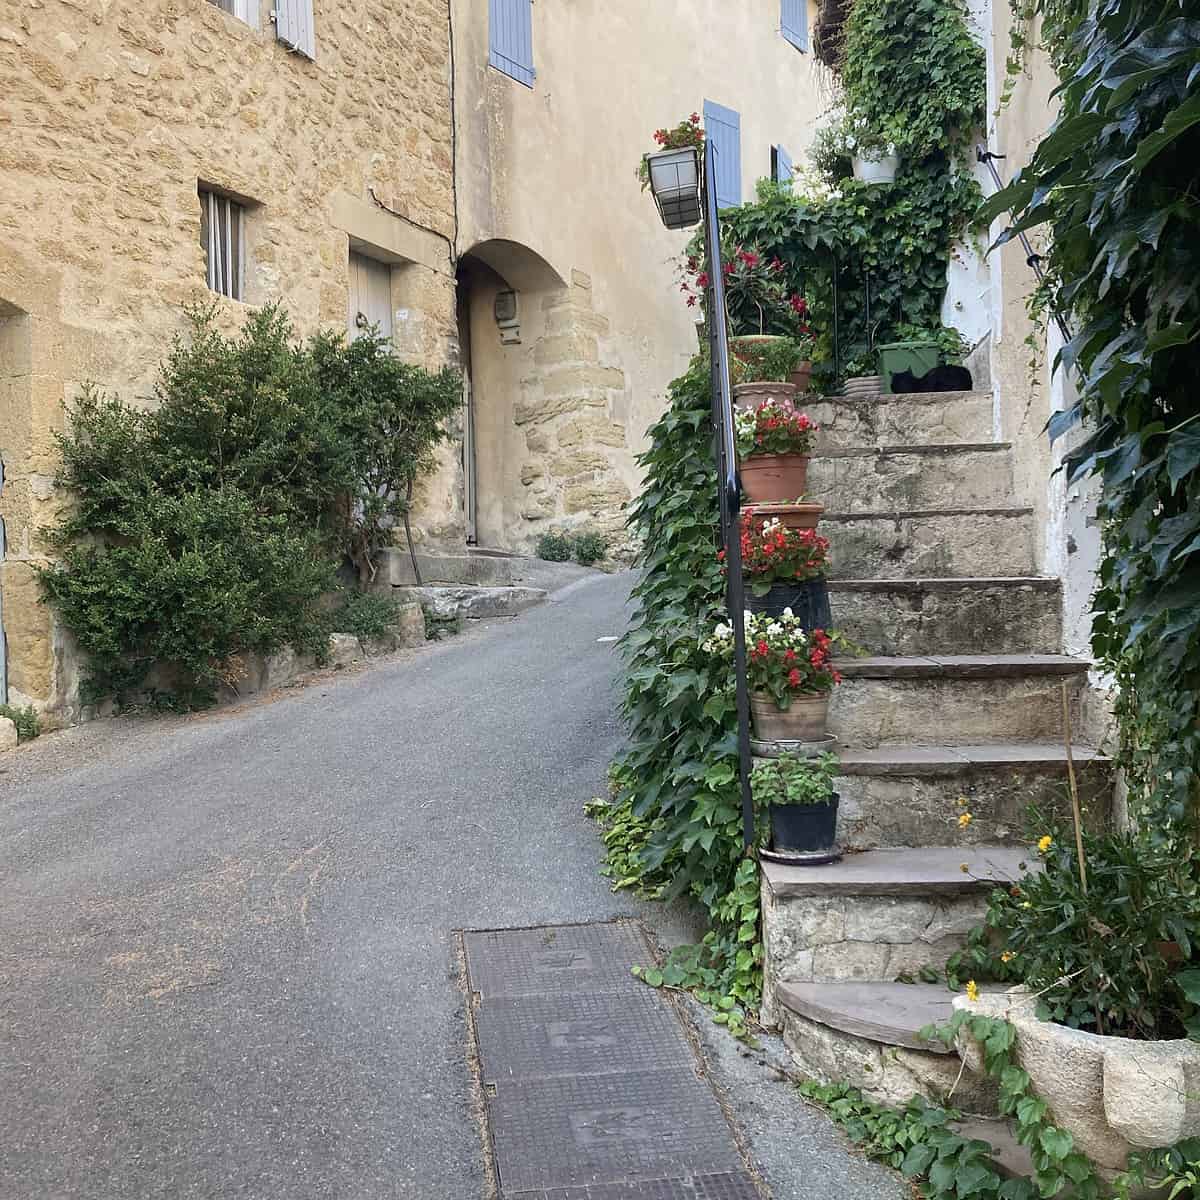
<point x="673" y="825"/>
<point x="1114" y="184"/>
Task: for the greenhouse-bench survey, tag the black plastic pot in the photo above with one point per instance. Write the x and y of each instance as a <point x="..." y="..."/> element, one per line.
<point x="808" y="600"/>
<point x="804" y="828"/>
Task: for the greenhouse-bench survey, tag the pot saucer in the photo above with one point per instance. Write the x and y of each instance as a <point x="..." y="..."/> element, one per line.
<point x="809" y="858"/>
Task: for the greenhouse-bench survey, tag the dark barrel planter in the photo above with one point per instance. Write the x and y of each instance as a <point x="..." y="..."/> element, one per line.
<point x="804" y="828"/>
<point x="808" y="599"/>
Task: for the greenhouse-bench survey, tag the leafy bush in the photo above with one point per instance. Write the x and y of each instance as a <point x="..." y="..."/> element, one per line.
<point x="26" y="720"/>
<point x="364" y="614"/>
<point x="555" y="546"/>
<point x="1098" y="958"/>
<point x="766" y="362"/>
<point x="589" y="547"/>
<point x="209" y="526"/>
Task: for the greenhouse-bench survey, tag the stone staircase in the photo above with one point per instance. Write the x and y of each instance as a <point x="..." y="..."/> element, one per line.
<point x="956" y="708"/>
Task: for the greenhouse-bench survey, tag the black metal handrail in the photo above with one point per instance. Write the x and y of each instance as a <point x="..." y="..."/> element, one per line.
<point x="728" y="485"/>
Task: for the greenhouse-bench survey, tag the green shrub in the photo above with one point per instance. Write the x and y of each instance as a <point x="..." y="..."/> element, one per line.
<point x="209" y="526"/>
<point x="555" y="546"/>
<point x="364" y="614"/>
<point x="589" y="547"/>
<point x="26" y="720"/>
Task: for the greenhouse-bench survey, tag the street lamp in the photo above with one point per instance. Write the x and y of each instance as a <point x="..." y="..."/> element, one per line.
<point x="675" y="182"/>
<point x="683" y="195"/>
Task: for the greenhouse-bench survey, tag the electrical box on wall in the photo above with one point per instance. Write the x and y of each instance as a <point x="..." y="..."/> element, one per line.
<point x="508" y="319"/>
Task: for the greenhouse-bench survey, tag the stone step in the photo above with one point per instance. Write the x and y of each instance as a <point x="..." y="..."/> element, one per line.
<point x="868" y="1035"/>
<point x="909" y="795"/>
<point x="1017" y="615"/>
<point x="903" y="478"/>
<point x="474" y="603"/>
<point x="954" y="699"/>
<point x="917" y="418"/>
<point x="476" y="568"/>
<point x="878" y="914"/>
<point x="931" y="543"/>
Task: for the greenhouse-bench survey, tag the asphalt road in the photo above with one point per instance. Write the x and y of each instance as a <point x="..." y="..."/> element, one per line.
<point x="227" y="962"/>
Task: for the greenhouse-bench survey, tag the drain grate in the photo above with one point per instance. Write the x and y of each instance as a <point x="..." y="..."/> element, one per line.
<point x="557" y="958"/>
<point x="702" y="1187"/>
<point x="592" y="1090"/>
<point x="526" y="1037"/>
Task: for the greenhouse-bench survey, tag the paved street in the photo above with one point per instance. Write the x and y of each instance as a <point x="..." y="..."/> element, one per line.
<point x="226" y="962"/>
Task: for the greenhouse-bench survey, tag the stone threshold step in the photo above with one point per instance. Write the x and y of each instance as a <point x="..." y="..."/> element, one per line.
<point x="961" y="666"/>
<point x="475" y="603"/>
<point x="907" y="397"/>
<point x="1038" y="583"/>
<point x="920" y="871"/>
<point x="932" y="449"/>
<point x="961" y="760"/>
<point x="891" y="1013"/>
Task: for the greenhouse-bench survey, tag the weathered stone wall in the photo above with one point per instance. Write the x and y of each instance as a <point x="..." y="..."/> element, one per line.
<point x="111" y="113"/>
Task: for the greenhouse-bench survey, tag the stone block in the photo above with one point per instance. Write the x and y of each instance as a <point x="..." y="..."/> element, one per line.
<point x="929" y="477"/>
<point x="8" y="734"/>
<point x="478" y="603"/>
<point x="344" y="650"/>
<point x="581" y="380"/>
<point x="280" y="669"/>
<point x="921" y="419"/>
<point x="409" y="626"/>
<point x="588" y="430"/>
<point x="595" y="497"/>
<point x="580" y="463"/>
<point x="532" y="407"/>
<point x="950" y="616"/>
<point x="932" y="544"/>
<point x="383" y="643"/>
<point x="574" y="347"/>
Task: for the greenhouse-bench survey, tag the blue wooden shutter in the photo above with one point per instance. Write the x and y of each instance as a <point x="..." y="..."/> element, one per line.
<point x="723" y="127"/>
<point x="783" y="165"/>
<point x="510" y="38"/>
<point x="294" y="26"/>
<point x="793" y="22"/>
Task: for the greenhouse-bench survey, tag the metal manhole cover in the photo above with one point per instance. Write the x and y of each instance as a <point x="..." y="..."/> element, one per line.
<point x="592" y="1129"/>
<point x="701" y="1187"/>
<point x="526" y="1037"/>
<point x="554" y="959"/>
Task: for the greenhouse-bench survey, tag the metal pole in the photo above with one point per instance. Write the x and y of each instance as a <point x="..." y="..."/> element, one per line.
<point x="1032" y="259"/>
<point x="727" y="483"/>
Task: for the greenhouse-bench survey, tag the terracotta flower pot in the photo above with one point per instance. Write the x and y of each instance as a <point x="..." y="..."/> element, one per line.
<point x="803" y="721"/>
<point x="801" y="377"/>
<point x="774" y="478"/>
<point x="750" y="395"/>
<point x="791" y="516"/>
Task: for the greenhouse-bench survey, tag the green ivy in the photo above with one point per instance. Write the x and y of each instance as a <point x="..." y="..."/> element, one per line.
<point x="1114" y="184"/>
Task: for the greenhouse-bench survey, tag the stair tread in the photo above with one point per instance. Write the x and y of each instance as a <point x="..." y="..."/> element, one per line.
<point x="947" y="583"/>
<point x="919" y="871"/>
<point x="974" y="666"/>
<point x="1011" y="510"/>
<point x="940" y="760"/>
<point x="933" y="449"/>
<point x="892" y="1013"/>
<point x="901" y="397"/>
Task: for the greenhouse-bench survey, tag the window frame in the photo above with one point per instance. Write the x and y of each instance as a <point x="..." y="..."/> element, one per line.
<point x="224" y="259"/>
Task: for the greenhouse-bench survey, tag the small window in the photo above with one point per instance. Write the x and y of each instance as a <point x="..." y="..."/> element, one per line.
<point x="244" y="10"/>
<point x="793" y="22"/>
<point x="781" y="165"/>
<point x="223" y="236"/>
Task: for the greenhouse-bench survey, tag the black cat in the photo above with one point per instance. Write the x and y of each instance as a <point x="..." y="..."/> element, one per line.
<point x="940" y="379"/>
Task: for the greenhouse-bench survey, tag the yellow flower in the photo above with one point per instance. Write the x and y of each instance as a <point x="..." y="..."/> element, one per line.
<point x="964" y="819"/>
<point x="962" y="802"/>
<point x="1007" y="956"/>
<point x="972" y="990"/>
<point x="1044" y="843"/>
<point x="965" y="868"/>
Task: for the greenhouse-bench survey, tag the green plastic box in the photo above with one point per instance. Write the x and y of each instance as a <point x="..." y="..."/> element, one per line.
<point x="917" y="357"/>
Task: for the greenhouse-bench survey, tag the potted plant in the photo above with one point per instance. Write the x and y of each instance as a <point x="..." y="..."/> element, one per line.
<point x="790" y="672"/>
<point x="781" y="564"/>
<point x="674" y="172"/>
<point x="799" y="797"/>
<point x="918" y="349"/>
<point x="873" y="156"/>
<point x="774" y="443"/>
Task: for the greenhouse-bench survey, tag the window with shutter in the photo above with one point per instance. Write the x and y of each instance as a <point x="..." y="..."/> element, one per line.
<point x="793" y="22"/>
<point x="222" y="234"/>
<point x="781" y="165"/>
<point x="510" y="38"/>
<point x="294" y="26"/>
<point x="244" y="10"/>
<point x="723" y="127"/>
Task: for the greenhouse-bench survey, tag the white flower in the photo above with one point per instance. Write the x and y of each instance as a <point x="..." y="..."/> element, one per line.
<point x="787" y="612"/>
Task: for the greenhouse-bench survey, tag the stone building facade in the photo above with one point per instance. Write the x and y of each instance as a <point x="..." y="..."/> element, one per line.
<point x="115" y="119"/>
<point x="397" y="159"/>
